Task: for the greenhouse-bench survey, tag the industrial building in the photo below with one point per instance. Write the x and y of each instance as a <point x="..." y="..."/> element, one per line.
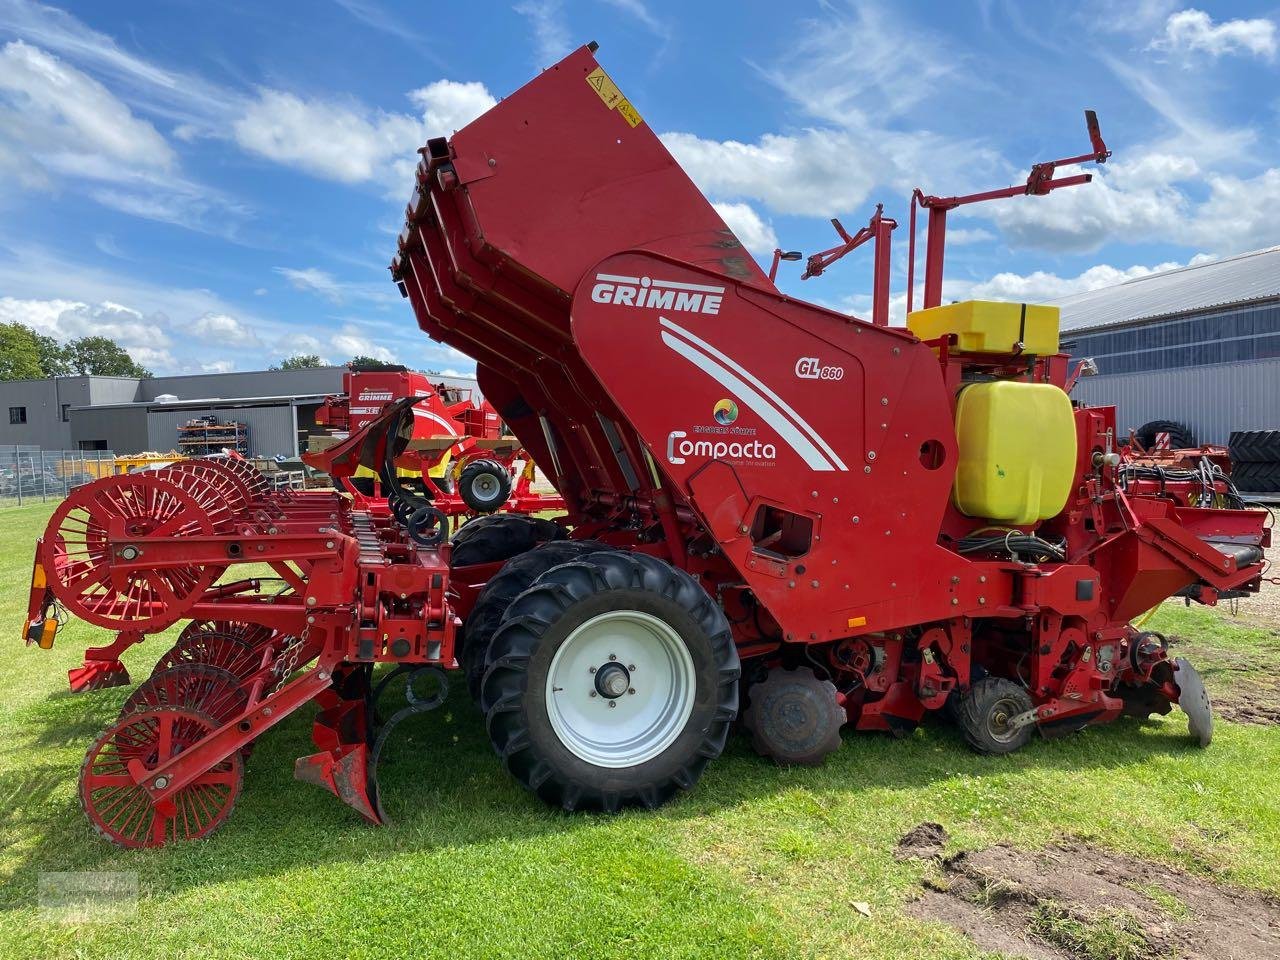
<point x="273" y="411"/>
<point x="1199" y="345"/>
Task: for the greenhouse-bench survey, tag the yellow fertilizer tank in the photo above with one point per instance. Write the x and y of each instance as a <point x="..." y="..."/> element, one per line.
<point x="1017" y="451"/>
<point x="987" y="326"/>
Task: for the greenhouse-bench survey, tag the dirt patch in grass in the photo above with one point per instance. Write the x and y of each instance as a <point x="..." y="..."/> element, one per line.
<point x="1075" y="902"/>
<point x="924" y="841"/>
<point x="1243" y="684"/>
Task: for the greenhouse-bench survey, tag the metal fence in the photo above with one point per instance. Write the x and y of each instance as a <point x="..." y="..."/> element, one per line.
<point x="29" y="475"/>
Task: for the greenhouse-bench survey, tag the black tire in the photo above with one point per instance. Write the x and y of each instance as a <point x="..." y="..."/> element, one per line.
<point x="516" y="576"/>
<point x="1254" y="446"/>
<point x="484" y="485"/>
<point x="500" y="537"/>
<point x="794" y="717"/>
<point x="981" y="712"/>
<point x="1256" y="477"/>
<point x="1181" y="437"/>
<point x="542" y="618"/>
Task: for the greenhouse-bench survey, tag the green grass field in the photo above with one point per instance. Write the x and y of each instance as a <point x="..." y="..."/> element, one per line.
<point x="757" y="861"/>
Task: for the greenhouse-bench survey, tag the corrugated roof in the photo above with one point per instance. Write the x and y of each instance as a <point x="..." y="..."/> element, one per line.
<point x="1239" y="279"/>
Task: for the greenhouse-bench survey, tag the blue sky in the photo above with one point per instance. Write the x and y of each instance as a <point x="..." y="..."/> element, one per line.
<point x="218" y="185"/>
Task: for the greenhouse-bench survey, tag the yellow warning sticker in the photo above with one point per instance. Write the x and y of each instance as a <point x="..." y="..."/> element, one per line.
<point x="629" y="113"/>
<point x="611" y="96"/>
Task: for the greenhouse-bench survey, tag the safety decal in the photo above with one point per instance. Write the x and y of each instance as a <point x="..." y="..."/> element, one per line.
<point x="612" y="97"/>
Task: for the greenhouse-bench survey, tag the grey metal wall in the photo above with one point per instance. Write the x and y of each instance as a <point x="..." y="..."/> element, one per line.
<point x="124" y="429"/>
<point x="260" y="383"/>
<point x="271" y="431"/>
<point x="1213" y="400"/>
<point x="43" y="401"/>
<point x="113" y="390"/>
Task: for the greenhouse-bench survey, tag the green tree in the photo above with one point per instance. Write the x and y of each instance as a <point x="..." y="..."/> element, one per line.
<point x="27" y="355"/>
<point x="371" y="363"/>
<point x="303" y="362"/>
<point x="19" y="353"/>
<point x="102" y="357"/>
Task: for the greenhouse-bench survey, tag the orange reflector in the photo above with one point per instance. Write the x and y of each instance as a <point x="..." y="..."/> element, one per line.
<point x="857" y="622"/>
<point x="38" y="579"/>
<point x="47" y="633"/>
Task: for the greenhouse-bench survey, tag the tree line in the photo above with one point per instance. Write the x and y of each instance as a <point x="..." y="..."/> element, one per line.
<point x="28" y="355"/>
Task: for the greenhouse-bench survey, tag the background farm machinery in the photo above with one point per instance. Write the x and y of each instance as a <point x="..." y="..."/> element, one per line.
<point x="819" y="522"/>
<point x="458" y="454"/>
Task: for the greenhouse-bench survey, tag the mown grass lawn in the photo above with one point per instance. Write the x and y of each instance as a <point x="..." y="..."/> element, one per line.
<point x="757" y="861"/>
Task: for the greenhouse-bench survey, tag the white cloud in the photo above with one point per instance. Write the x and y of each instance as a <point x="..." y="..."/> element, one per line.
<point x="550" y="32"/>
<point x="335" y="140"/>
<point x="224" y="327"/>
<point x="859" y="62"/>
<point x="1193" y="30"/>
<point x="640" y="11"/>
<point x="324" y="284"/>
<point x="60" y="126"/>
<point x="754" y="233"/>
<point x="448" y="105"/>
<point x="314" y="281"/>
<point x="346" y="141"/>
<point x="1148" y="199"/>
<point x="350" y="342"/>
<point x="145" y="338"/>
<point x="814" y="173"/>
<point x="217" y="366"/>
<point x="1041" y="285"/>
<point x="52" y="115"/>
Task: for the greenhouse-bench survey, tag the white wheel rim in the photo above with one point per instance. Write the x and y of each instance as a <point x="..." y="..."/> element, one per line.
<point x="586" y="676"/>
<point x="486" y="487"/>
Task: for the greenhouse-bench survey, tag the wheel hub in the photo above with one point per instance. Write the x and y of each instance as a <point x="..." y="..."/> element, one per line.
<point x="612" y="680"/>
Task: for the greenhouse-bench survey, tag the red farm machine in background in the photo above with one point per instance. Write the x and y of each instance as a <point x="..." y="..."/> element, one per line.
<point x="457" y="455"/>
<point x="817" y="523"/>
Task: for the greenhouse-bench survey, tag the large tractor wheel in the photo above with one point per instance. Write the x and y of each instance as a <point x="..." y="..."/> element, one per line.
<point x="484" y="485"/>
<point x="985" y="714"/>
<point x="516" y="576"/>
<point x="612" y="681"/>
<point x="500" y="537"/>
<point x="1181" y="436"/>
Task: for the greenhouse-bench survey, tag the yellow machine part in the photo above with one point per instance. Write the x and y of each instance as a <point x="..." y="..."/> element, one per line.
<point x="441" y="469"/>
<point x="987" y="326"/>
<point x="1017" y="451"/>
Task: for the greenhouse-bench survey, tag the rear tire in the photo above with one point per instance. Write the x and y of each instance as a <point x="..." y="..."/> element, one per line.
<point x="516" y="576"/>
<point x="500" y="537"/>
<point x="585" y="635"/>
<point x="1181" y="437"/>
<point x="984" y="710"/>
<point x="484" y="485"/>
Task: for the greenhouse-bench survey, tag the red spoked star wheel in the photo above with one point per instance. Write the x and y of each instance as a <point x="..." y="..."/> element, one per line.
<point x="77" y="553"/>
<point x="121" y="811"/>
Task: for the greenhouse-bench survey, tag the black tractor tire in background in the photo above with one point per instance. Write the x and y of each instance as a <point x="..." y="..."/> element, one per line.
<point x="1181" y="437"/>
<point x="1252" y="477"/>
<point x="522" y="653"/>
<point x="1254" y="446"/>
<point x="516" y="576"/>
<point x="982" y="713"/>
<point x="501" y="536"/>
<point x="484" y="485"/>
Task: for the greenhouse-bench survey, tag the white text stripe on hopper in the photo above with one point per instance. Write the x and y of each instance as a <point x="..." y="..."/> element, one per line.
<point x="751" y="378"/>
<point x="752" y="400"/>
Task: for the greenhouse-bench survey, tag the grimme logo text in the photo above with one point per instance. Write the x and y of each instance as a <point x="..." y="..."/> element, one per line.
<point x="658" y="294"/>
